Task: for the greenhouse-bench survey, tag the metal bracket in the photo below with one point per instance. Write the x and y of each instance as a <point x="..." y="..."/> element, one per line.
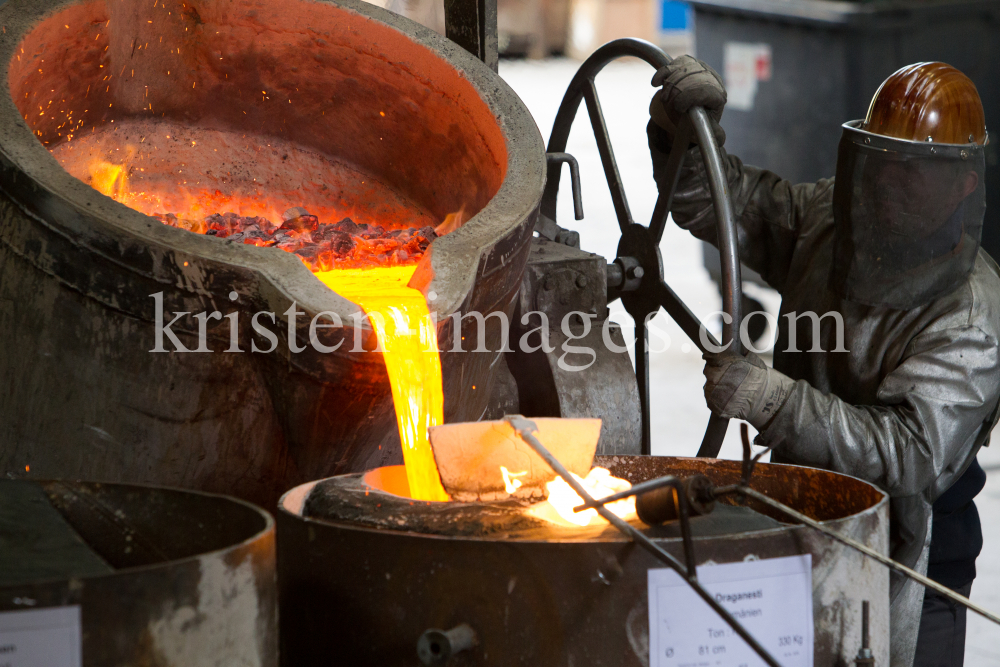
<point x="472" y="24"/>
<point x="574" y="175"/>
<point x="545" y="226"/>
<point x="568" y="285"/>
<point x="436" y="647"/>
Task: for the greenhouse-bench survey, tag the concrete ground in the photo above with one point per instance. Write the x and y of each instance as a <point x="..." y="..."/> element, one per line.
<point x="679" y="414"/>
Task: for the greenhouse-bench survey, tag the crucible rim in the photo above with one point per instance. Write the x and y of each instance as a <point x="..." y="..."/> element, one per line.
<point x="71" y="207"/>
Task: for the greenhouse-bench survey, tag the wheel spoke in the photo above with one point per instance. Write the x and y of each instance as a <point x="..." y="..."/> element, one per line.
<point x="642" y="373"/>
<point x="685" y="318"/>
<point x="711" y="444"/>
<point x="692" y="327"/>
<point x="672" y="174"/>
<point x="607" y="155"/>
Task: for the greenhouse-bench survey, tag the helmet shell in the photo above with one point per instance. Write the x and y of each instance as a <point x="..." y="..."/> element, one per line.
<point x="928" y="102"/>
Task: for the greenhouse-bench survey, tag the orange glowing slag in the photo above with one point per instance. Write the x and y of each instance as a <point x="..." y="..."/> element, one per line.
<point x="408" y="339"/>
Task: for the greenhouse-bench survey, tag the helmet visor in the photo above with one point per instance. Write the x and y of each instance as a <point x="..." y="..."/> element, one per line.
<point x="908" y="218"/>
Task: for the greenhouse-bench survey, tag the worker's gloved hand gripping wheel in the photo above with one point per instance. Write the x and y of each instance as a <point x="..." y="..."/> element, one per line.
<point x="636" y="276"/>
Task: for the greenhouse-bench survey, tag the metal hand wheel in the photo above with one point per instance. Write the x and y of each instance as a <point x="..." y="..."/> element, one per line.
<point x="636" y="276"/>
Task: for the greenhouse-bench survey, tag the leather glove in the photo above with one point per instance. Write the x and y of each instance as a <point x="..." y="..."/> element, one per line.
<point x="687" y="82"/>
<point x="744" y="388"/>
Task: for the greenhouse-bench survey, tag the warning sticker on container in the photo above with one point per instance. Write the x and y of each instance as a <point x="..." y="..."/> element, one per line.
<point x="745" y="64"/>
<point x="40" y="637"/>
<point x="771" y="598"/>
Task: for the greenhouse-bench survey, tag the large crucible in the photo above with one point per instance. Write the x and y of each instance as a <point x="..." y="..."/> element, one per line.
<point x="337" y="107"/>
<point x="98" y="574"/>
<point x="365" y="573"/>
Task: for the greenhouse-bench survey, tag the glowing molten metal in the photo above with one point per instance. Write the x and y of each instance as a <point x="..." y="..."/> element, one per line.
<point x="398" y="314"/>
<point x="599" y="483"/>
<point x="408" y="338"/>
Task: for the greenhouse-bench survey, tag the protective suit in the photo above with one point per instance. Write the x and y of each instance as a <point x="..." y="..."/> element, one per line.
<point x="905" y="392"/>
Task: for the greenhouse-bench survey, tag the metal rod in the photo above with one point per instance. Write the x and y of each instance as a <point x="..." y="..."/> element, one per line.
<point x="681" y="506"/>
<point x="525" y="429"/>
<point x="651" y="485"/>
<point x="687" y="540"/>
<point x="888" y="562"/>
<point x="864" y="624"/>
<point x="715" y="435"/>
<point x="685" y="318"/>
<point x="607" y="153"/>
<point x="715" y="432"/>
<point x="865" y="657"/>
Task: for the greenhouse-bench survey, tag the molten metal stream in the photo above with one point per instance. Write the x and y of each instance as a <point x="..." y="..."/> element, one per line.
<point x="408" y="339"/>
<point x="398" y="314"/>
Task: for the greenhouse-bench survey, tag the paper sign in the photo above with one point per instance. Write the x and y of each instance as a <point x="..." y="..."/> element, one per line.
<point x="743" y="65"/>
<point x="40" y="637"/>
<point x="771" y="598"/>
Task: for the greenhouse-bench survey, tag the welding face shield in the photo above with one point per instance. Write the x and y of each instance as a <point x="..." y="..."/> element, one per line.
<point x="908" y="218"/>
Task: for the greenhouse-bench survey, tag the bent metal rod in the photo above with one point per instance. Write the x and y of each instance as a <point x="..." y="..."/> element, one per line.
<point x="746" y="491"/>
<point x="743" y="489"/>
<point x="526" y="429"/>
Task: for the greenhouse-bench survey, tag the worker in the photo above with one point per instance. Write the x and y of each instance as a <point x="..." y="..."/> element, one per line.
<point x="899" y="382"/>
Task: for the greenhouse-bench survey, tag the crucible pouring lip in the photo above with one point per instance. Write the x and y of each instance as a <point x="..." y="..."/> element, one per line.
<point x="846" y="498"/>
<point x="32" y="178"/>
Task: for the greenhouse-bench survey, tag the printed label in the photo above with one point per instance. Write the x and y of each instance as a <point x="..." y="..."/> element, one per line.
<point x="771" y="598"/>
<point x="40" y="637"/>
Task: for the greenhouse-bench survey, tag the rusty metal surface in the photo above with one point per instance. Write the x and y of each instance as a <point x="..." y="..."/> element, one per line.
<point x="819" y="494"/>
<point x="367" y="594"/>
<point x="86" y="399"/>
<point x="193" y="582"/>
